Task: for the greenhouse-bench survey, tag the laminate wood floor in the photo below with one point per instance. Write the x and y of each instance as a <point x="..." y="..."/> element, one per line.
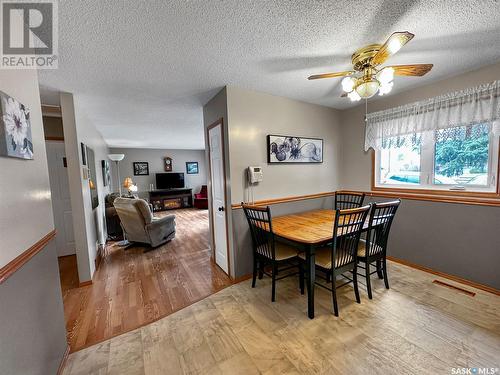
<point x="132" y="288"/>
<point x="68" y="273"/>
<point x="415" y="327"/>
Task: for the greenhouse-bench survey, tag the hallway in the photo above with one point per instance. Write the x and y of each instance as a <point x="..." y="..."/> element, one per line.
<point x="132" y="288"/>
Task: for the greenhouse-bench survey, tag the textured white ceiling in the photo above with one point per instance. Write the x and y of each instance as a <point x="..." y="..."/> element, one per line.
<point x="143" y="69"/>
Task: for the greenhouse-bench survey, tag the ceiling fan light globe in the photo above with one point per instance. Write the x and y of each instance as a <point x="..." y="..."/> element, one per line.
<point x="368" y="88"/>
<point x="385" y="88"/>
<point x="354" y="96"/>
<point x="386" y="75"/>
<point x="348" y="84"/>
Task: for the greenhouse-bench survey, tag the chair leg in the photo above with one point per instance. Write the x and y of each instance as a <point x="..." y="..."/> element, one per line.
<point x="386" y="280"/>
<point x="301" y="277"/>
<point x="355" y="283"/>
<point x="379" y="270"/>
<point x="261" y="269"/>
<point x="275" y="269"/>
<point x="334" y="297"/>
<point x="254" y="276"/>
<point x="368" y="279"/>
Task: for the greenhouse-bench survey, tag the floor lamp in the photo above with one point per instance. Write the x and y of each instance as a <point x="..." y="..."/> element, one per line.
<point x="117" y="158"/>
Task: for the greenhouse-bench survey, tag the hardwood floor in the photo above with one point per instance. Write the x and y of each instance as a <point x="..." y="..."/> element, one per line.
<point x="132" y="288"/>
<point x="415" y="327"/>
<point x="68" y="273"/>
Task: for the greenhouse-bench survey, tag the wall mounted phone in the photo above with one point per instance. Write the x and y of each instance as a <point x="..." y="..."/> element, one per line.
<point x="255" y="175"/>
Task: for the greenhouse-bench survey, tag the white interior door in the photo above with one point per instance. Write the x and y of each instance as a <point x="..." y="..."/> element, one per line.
<point x="61" y="203"/>
<point x="218" y="196"/>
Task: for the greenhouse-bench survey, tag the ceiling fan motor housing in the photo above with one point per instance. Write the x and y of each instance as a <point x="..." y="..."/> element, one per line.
<point x="362" y="58"/>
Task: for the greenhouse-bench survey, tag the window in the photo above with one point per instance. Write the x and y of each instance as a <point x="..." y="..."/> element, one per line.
<point x="456" y="158"/>
<point x="400" y="161"/>
<point x="461" y="155"/>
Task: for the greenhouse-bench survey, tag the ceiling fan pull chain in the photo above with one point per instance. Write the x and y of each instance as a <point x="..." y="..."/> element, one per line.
<point x="366" y="109"/>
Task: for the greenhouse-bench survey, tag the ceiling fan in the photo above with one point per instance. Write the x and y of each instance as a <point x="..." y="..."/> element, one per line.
<point x="368" y="78"/>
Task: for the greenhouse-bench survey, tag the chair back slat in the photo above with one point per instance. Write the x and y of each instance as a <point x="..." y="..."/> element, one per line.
<point x="380" y="222"/>
<point x="259" y="221"/>
<point x="348" y="200"/>
<point x="346" y="233"/>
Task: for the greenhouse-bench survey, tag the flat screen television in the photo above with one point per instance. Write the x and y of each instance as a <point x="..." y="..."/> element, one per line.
<point x="169" y="180"/>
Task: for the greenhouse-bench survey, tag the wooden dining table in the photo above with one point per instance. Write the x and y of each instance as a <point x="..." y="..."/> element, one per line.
<point x="308" y="231"/>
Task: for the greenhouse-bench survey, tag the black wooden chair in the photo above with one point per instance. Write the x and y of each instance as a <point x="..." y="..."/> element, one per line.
<point x="348" y="200"/>
<point x="345" y="201"/>
<point x="269" y="252"/>
<point x="340" y="256"/>
<point x="374" y="247"/>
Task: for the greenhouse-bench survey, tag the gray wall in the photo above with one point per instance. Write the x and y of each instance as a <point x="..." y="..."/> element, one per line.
<point x="248" y="117"/>
<point x="32" y="329"/>
<point x="155" y="159"/>
<point x="89" y="224"/>
<point x="24" y="184"/>
<point x="458" y="239"/>
<point x="254" y="115"/>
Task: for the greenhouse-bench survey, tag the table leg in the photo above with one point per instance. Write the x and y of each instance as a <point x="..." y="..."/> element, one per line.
<point x="311" y="276"/>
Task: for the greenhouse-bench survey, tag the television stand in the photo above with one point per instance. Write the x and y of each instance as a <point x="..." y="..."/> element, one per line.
<point x="170" y="199"/>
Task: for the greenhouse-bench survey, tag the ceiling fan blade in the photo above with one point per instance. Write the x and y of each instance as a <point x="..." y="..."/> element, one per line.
<point x="331" y="75"/>
<point x="391" y="46"/>
<point x="412" y="70"/>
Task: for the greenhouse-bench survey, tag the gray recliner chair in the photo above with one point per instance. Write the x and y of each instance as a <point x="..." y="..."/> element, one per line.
<point x="139" y="224"/>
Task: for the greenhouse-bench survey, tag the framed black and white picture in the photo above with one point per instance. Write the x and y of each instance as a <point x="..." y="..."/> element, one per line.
<point x="106" y="173"/>
<point x="141" y="168"/>
<point x="289" y="149"/>
<point x="84" y="153"/>
<point x="92" y="177"/>
<point x="15" y="128"/>
<point x="192" y="167"/>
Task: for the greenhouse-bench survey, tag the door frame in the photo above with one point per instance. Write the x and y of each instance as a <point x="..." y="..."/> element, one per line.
<point x="218" y="122"/>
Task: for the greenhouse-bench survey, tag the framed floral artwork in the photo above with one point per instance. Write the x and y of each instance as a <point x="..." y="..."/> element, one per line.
<point x="15" y="128"/>
<point x="283" y="149"/>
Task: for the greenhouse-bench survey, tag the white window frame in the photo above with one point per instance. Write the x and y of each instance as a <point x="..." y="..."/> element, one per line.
<point x="427" y="167"/>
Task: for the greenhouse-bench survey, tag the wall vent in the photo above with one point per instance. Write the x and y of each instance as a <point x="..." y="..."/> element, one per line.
<point x="464" y="291"/>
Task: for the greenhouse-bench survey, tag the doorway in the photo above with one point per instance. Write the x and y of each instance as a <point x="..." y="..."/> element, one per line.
<point x="61" y="202"/>
<point x="218" y="190"/>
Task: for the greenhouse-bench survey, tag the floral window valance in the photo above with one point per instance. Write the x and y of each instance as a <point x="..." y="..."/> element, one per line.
<point x="478" y="105"/>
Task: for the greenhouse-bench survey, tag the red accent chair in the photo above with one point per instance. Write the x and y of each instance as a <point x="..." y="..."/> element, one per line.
<point x="201" y="199"/>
